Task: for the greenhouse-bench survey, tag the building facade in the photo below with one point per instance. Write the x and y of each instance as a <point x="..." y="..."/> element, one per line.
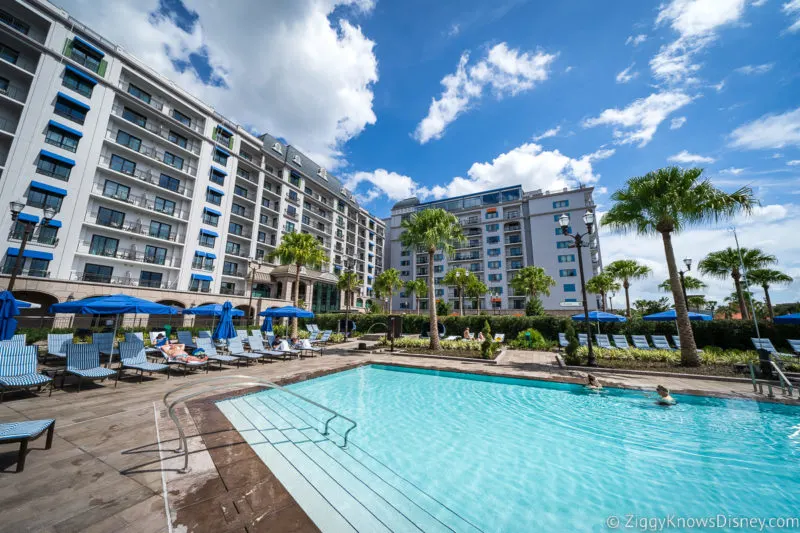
<point x="156" y="193"/>
<point x="506" y="229"/>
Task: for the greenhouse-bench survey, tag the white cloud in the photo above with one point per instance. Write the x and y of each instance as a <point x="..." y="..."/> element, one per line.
<point x="626" y="75"/>
<point x="395" y="186"/>
<point x="793" y="162"/>
<point x="685" y="157"/>
<point x="772" y="131"/>
<point x="755" y="70"/>
<point x="552" y="132"/>
<point x="270" y="78"/>
<point x="677" y="123"/>
<point x="636" y="40"/>
<point x="733" y="171"/>
<point x="719" y="86"/>
<point x="601" y="190"/>
<point x="792" y="9"/>
<point x="638" y="122"/>
<point x="454" y="30"/>
<point x="507" y="72"/>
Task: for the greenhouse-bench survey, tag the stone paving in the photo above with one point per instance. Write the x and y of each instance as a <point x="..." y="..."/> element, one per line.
<point x="113" y="459"/>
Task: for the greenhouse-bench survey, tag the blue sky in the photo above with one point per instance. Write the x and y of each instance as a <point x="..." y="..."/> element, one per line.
<point x="544" y="94"/>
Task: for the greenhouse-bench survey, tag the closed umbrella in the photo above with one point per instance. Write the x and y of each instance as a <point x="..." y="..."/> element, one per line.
<point x="267" y="325"/>
<point x="8" y="310"/>
<point x="225" y="328"/>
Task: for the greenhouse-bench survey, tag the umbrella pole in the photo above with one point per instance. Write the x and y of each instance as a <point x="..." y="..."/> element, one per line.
<point x="113" y="340"/>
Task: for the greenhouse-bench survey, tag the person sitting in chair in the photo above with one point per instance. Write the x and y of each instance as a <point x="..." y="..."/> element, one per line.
<point x="480" y="338"/>
<point x="276" y="341"/>
<point x="177" y="353"/>
<point x="467" y="335"/>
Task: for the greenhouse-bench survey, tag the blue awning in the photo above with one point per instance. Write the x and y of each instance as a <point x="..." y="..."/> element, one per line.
<point x="81" y="75"/>
<point x="33" y="254"/>
<point x="202" y="277"/>
<point x="25" y="217"/>
<point x="212" y="211"/>
<point x="48" y="188"/>
<point x="211" y="255"/>
<point x="224" y="151"/>
<point x="296" y="174"/>
<point x="89" y="46"/>
<point x="73" y="101"/>
<point x="209" y="232"/>
<point x="215" y="190"/>
<point x="54" y="223"/>
<point x="65" y="128"/>
<point x="199" y="253"/>
<point x="226" y="130"/>
<point x="219" y="171"/>
<point x="51" y="155"/>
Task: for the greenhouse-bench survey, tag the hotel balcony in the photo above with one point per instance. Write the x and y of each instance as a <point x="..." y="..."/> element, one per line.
<point x="153" y="153"/>
<point x="136" y="229"/>
<point x="147" y="176"/>
<point x="156" y="128"/>
<point x="129" y="255"/>
<point x="142" y="202"/>
<point x="157" y="104"/>
<point x="122" y="280"/>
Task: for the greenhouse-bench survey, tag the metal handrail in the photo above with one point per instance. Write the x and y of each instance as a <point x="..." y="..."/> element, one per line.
<point x="758" y="385"/>
<point x="250" y="381"/>
<point x="783" y="379"/>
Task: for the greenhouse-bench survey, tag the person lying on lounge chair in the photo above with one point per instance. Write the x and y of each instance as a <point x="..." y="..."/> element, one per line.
<point x="467" y="335"/>
<point x="177" y="353"/>
<point x="664" y="397"/>
<point x="161" y="340"/>
<point x="593" y="383"/>
<point x="480" y="338"/>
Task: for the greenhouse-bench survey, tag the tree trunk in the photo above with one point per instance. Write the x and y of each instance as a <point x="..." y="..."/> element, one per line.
<point x="689" y="355"/>
<point x="769" y="303"/>
<point x="296" y="300"/>
<point x="603" y="296"/>
<point x="434" y="333"/>
<point x="628" y="297"/>
<point x="416" y="297"/>
<point x="740" y="295"/>
<point x="461" y="300"/>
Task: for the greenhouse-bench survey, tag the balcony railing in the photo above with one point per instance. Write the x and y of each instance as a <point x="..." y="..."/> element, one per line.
<point x="514" y="253"/>
<point x="294" y="199"/>
<point x="510" y="216"/>
<point x="153" y="153"/>
<point x="199" y="289"/>
<point x="9" y="126"/>
<point x="122" y="280"/>
<point x="231" y="292"/>
<point x="132" y="254"/>
<point x="244" y="233"/>
<point x="23" y="63"/>
<point x="514" y="239"/>
<point x="466" y="257"/>
<point x="154" y="102"/>
<point x="33" y="273"/>
<point x="139" y="201"/>
<point x="207" y="268"/>
<point x="136" y="228"/>
<point x="36" y="238"/>
<point x="512" y="227"/>
<point x="147" y="176"/>
<point x="159" y="129"/>
<point x="233" y="273"/>
<point x="470" y="220"/>
<point x="15" y="92"/>
<point x="241" y="252"/>
<point x="291" y="215"/>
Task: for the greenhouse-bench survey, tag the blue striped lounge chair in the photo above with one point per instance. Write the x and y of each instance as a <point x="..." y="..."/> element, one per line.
<point x="562" y="340"/>
<point x="24" y="432"/>
<point x="242" y="335"/>
<point x="661" y="342"/>
<point x="325" y="338"/>
<point x="621" y="342"/>
<point x="132" y="355"/>
<point x="257" y="346"/>
<point x="83" y="360"/>
<point x="185" y="338"/>
<point x="204" y="334"/>
<point x="207" y="345"/>
<point x="17" y="340"/>
<point x="766" y="344"/>
<point x="313" y="336"/>
<point x="603" y="341"/>
<point x="795" y="345"/>
<point x="583" y="339"/>
<point x="640" y="342"/>
<point x="104" y="343"/>
<point x="57" y="345"/>
<point x="676" y="340"/>
<point x="138" y="336"/>
<point x="184" y="364"/>
<point x="236" y="349"/>
<point x="18" y="369"/>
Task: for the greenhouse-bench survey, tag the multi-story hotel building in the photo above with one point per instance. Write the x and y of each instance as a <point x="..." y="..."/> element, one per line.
<point x="157" y="194"/>
<point x="505" y="229"/>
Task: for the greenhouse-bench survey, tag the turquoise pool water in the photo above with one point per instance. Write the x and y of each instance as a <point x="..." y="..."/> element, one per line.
<point x="436" y="451"/>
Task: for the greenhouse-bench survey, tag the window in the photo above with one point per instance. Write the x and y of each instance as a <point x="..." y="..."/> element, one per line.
<point x="262" y="237"/>
<point x="493" y="240"/>
<point x="405" y="273"/>
<point x="173" y="160"/>
<point x="180" y="140"/>
<point x="200" y="285"/>
<point x="217" y="177"/>
<point x="164" y="206"/>
<point x="569" y="287"/>
<point x="160" y="230"/>
<point x="48" y="235"/>
<point x="105" y="246"/>
<point x="438" y="269"/>
<point x="492" y="227"/>
<point x="436" y="257"/>
<point x="155" y="255"/>
<point x="492" y="214"/>
<point x="422" y="271"/>
<point x="207" y="239"/>
<point x="560" y="232"/>
<point x="144" y="96"/>
<point x="77" y="83"/>
<point x="126" y="139"/>
<point x="110" y="217"/>
<point x="237" y="209"/>
<point x="241" y="191"/>
<point x="210" y="218"/>
<point x="133" y="116"/>
<point x="229" y="268"/>
<point x="233" y="248"/>
<point x="405" y="263"/>
<point x="492" y="252"/>
<point x="242" y="173"/>
<point x="115" y="190"/>
<point x="213" y="197"/>
<point x="291" y="210"/>
<point x="9" y="54"/>
<point x="496" y="291"/>
<point x="169" y="183"/>
<point x="14" y="22"/>
<point x="439" y="292"/>
<point x="295" y="180"/>
<point x="495" y="277"/>
<point x="41" y="199"/>
<point x="220" y="157"/>
<point x="495" y="264"/>
<point x="222" y="136"/>
<point x="405" y="253"/>
<point x="120" y="164"/>
<point x="293" y="196"/>
<point x="97" y="273"/>
<point x="560" y="203"/>
<point x="236" y="229"/>
<point x="150" y="279"/>
<point x="567" y="273"/>
<point x="70" y="110"/>
<point x="515" y="251"/>
<point x="515" y="264"/>
<point x="202" y="261"/>
<point x="566" y="258"/>
<point x="180" y="117"/>
<point x="563" y="244"/>
<point x="83" y="54"/>
<point x="52" y="167"/>
<point x="556" y="217"/>
<point x="289" y="227"/>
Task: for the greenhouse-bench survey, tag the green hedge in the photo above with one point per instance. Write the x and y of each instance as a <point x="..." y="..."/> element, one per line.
<point x="726" y="334"/>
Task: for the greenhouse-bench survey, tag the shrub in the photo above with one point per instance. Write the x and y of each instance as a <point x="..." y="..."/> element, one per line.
<point x="534" y="307"/>
<point x="488" y="345"/>
<point x="710" y="356"/>
<point x="531" y="339"/>
<point x="571" y="356"/>
<point x="443" y="308"/>
<point x="423" y="344"/>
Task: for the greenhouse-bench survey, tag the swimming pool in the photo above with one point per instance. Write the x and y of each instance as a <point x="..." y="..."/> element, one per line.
<point x="440" y="451"/>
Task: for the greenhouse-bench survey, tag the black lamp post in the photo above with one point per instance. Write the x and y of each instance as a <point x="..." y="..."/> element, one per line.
<point x="588" y="219"/>
<point x="349" y="263"/>
<point x="688" y="262"/>
<point x="27" y="231"/>
<point x="254" y="265"/>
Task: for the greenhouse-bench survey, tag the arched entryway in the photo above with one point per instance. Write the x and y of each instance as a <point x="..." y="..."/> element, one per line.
<point x="159" y="321"/>
<point x="249" y="315"/>
<point x="40" y="317"/>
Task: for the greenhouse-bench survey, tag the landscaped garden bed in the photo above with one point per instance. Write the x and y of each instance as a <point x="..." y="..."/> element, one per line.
<point x="457" y="348"/>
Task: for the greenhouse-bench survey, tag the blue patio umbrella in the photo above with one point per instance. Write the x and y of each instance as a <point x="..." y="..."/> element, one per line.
<point x="794" y="318"/>
<point x="287" y="311"/>
<point x="211" y="310"/>
<point x="8" y="310"/>
<point x="599" y="316"/>
<point x="267" y="325"/>
<point x="225" y="328"/>
<point x="668" y="316"/>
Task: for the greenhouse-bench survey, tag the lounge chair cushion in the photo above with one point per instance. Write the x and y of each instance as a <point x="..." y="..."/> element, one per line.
<point x="147" y="367"/>
<point x="28" y="429"/>
<point x="27" y="380"/>
<point x="98" y="372"/>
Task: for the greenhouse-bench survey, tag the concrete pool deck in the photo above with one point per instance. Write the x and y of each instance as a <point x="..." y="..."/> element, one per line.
<point x="112" y="464"/>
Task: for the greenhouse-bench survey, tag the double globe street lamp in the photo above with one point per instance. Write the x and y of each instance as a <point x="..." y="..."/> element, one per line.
<point x="28" y="227"/>
<point x="588" y="219"/>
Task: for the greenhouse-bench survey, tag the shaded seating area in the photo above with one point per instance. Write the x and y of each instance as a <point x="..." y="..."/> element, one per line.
<point x="25" y="432"/>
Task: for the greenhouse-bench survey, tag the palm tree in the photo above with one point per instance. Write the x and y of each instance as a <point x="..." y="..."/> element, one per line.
<point x="767" y="277"/>
<point x="625" y="270"/>
<point x="349" y="283"/>
<point x="476" y="289"/>
<point x="602" y="284"/>
<point x="299" y="249"/>
<point x="430" y="229"/>
<point x="386" y="284"/>
<point x="690" y="283"/>
<point x="459" y="278"/>
<point x="667" y="201"/>
<point x="727" y="262"/>
<point x="533" y="281"/>
<point x="417" y="287"/>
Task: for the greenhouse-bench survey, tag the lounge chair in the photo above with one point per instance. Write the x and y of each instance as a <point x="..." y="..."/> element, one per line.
<point x="313" y="336"/>
<point x="795" y="345"/>
<point x="57" y="345"/>
<point x="16" y="340"/>
<point x="105" y="343"/>
<point x="83" y="360"/>
<point x="207" y="345"/>
<point x="661" y="342"/>
<point x="583" y="339"/>
<point x="766" y="344"/>
<point x="621" y="342"/>
<point x="640" y="342"/>
<point x="186" y="365"/>
<point x="562" y="340"/>
<point x="242" y="335"/>
<point x="18" y="369"/>
<point x="138" y="336"/>
<point x="603" y="342"/>
<point x="450" y="338"/>
<point x="325" y="338"/>
<point x="204" y="334"/>
<point x="236" y="349"/>
<point x="132" y="355"/>
<point x="284" y="348"/>
<point x="185" y="338"/>
<point x="24" y="432"/>
<point x="676" y="340"/>
<point x="257" y="346"/>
